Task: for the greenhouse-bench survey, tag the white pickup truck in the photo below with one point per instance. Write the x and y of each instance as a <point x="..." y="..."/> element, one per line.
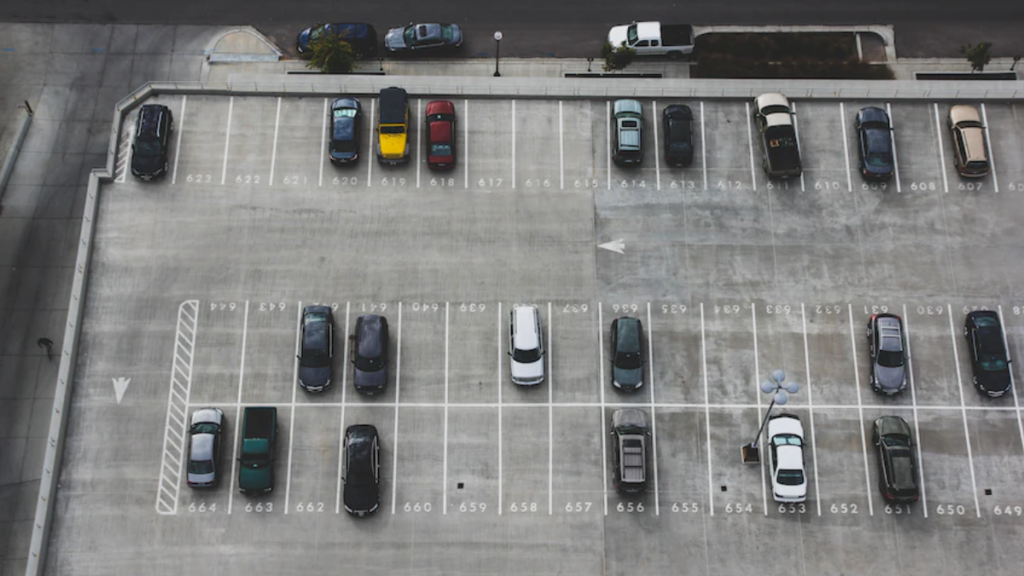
<point x="654" y="38"/>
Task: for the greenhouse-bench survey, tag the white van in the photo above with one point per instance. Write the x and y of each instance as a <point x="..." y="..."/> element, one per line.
<point x="526" y="346"/>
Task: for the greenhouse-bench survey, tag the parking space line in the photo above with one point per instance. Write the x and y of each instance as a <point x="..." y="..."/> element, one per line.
<point x="178" y="400"/>
<point x="323" y="143"/>
<point x="750" y="145"/>
<point x="942" y="157"/>
<point x="465" y="143"/>
<point x="757" y="394"/>
<point x="707" y="411"/>
<point x="177" y="147"/>
<point x="810" y="407"/>
<point x="796" y="134"/>
<point x="913" y="402"/>
<point x="960" y="388"/>
<point x="227" y="141"/>
<point x="860" y="408"/>
<point x="513" y="144"/>
<point x="1013" y="385"/>
<point x="344" y="389"/>
<point x="398" y="390"/>
<point x="703" y="148"/>
<point x="551" y="415"/>
<point x="238" y="409"/>
<point x="561" y="149"/>
<point x="895" y="159"/>
<point x="654" y="419"/>
<point x="600" y="386"/>
<point x="991" y="152"/>
<point x="500" y="457"/>
<point x="608" y="146"/>
<point x="371" y="140"/>
<point x="846" y="147"/>
<point x="419" y="141"/>
<point x="273" y="161"/>
<point x="295" y="382"/>
<point x="657" y="147"/>
<point x="445" y="473"/>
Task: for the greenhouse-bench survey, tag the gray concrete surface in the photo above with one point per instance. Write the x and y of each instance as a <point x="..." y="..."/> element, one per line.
<point x="732" y="278"/>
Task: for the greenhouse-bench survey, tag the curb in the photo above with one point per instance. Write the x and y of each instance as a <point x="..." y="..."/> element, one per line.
<point x="12" y="141"/>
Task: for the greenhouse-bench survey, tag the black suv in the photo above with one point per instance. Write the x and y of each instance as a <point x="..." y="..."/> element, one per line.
<point x="152" y="142"/>
<point x="361" y="469"/>
<point x="371" y="358"/>
<point x="627" y="353"/>
<point x="989" y="362"/>
<point x="677" y="121"/>
<point x="316" y="334"/>
<point x="874" y="143"/>
<point x="897" y="468"/>
<point x="629" y="450"/>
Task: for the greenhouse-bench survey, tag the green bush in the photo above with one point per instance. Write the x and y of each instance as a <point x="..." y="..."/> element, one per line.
<point x="616" y="58"/>
<point x="726" y="66"/>
<point x="332" y="55"/>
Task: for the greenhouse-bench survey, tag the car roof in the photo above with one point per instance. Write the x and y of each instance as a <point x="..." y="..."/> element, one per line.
<point x="440" y="131"/>
<point x="202" y="447"/>
<point x="392" y="105"/>
<point x="370" y="336"/>
<point x="773" y="120"/>
<point x="790" y="457"/>
<point x="527" y="337"/>
<point x="629" y="135"/>
<point x="344" y="128"/>
<point x="629" y="330"/>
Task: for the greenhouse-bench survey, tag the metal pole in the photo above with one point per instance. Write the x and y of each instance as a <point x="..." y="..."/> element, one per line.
<point x="763" y="422"/>
<point x="497" y="51"/>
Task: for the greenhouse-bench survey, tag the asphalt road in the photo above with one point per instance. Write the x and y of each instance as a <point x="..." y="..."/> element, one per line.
<point x="565" y="28"/>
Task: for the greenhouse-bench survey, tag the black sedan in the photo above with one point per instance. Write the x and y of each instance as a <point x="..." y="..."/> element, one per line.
<point x="361" y="469"/>
<point x="677" y="121"/>
<point x="989" y="362"/>
<point x="874" y="135"/>
<point x="416" y="37"/>
<point x="897" y="467"/>
<point x="346" y="126"/>
<point x="316" y="336"/>
<point x="888" y="353"/>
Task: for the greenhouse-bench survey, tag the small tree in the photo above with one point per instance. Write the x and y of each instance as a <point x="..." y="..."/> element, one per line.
<point x="332" y="55"/>
<point x="616" y="58"/>
<point x="978" y="55"/>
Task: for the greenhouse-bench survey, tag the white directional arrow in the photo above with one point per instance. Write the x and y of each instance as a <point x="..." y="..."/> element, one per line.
<point x="614" y="246"/>
<point x="120" y="385"/>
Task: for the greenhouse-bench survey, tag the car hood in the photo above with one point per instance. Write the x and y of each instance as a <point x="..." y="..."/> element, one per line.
<point x="361" y="498"/>
<point x="343" y="155"/>
<point x="617" y="35"/>
<point x="997" y="381"/>
<point x="314" y="377"/>
<point x="627" y="377"/>
<point x="375" y="379"/>
<point x="395" y="39"/>
<point x="393" y="144"/>
<point x="254" y="478"/>
<point x="787" y="491"/>
<point x="890" y="379"/>
<point x="531" y="371"/>
<point x="147" y="163"/>
<point x="201" y="478"/>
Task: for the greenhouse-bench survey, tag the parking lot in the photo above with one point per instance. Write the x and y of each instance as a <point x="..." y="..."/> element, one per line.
<point x="198" y="281"/>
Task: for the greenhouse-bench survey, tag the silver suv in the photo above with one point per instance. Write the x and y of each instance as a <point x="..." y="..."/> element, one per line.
<point x="526" y="346"/>
<point x="628" y="116"/>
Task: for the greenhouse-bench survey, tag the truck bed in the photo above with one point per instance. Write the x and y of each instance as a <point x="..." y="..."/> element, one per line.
<point x="259" y="422"/>
<point x="676" y="35"/>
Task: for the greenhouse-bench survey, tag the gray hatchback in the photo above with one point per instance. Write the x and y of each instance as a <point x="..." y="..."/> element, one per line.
<point x="888" y="353"/>
<point x="371" y="358"/>
<point x="204" y="446"/>
<point x="627" y="353"/>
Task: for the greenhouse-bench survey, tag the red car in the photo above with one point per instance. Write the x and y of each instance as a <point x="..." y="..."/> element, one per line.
<point x="441" y="135"/>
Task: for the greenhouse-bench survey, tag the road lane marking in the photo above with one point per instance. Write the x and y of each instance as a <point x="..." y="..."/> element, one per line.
<point x="238" y="408"/>
<point x="398" y="389"/>
<point x="551" y="416"/>
<point x="750" y="144"/>
<point x="960" y="389"/>
<point x="796" y="134"/>
<point x="913" y="403"/>
<point x="500" y="456"/>
<point x="810" y="408"/>
<point x="757" y="394"/>
<point x="373" y="142"/>
<point x="227" y="141"/>
<point x="991" y="152"/>
<point x="273" y="162"/>
<point x="295" y="374"/>
<point x="654" y="420"/>
<point x="938" y="148"/>
<point x="444" y="483"/>
<point x="323" y="143"/>
<point x="177" y="147"/>
<point x="600" y="386"/>
<point x="707" y="411"/>
<point x="178" y="401"/>
<point x="895" y="158"/>
<point x="657" y="148"/>
<point x="561" y="149"/>
<point x="860" y="408"/>
<point x="846" y="146"/>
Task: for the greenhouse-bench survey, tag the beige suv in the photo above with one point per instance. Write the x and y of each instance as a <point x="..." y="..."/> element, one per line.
<point x="968" y="133"/>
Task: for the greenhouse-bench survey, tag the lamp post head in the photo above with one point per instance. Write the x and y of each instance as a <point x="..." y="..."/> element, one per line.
<point x="792" y="387"/>
<point x="768" y="387"/>
<point x="781" y="397"/>
<point x="779" y="376"/>
<point x="497" y="36"/>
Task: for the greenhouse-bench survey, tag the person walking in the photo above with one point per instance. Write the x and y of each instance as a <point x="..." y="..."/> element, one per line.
<point x="45" y="342"/>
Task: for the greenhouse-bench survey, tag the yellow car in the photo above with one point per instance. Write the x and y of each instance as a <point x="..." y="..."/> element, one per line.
<point x="393" y="127"/>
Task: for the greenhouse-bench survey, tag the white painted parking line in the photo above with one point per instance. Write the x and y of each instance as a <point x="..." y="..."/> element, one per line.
<point x="860" y="408"/>
<point x="501" y="359"/>
<point x="608" y="147"/>
<point x="657" y="146"/>
<point x="704" y="150"/>
<point x="445" y="473"/>
<point x="654" y="419"/>
<point x="273" y="162"/>
<point x="465" y="146"/>
<point x="178" y="401"/>
<point x="991" y="152"/>
<point x="344" y="389"/>
<point x="513" y="144"/>
<point x="238" y="409"/>
<point x="938" y="147"/>
<point x="810" y="407"/>
<point x="370" y="143"/>
<point x="960" y="388"/>
<point x="757" y="394"/>
<point x="295" y="380"/>
<point x="561" y="149"/>
<point x="323" y="143"/>
<point x="895" y="158"/>
<point x="551" y="415"/>
<point x="1013" y="385"/>
<point x="796" y="134"/>
<point x="913" y="402"/>
<point x="419" y="142"/>
<point x="398" y="390"/>
<point x="750" y="145"/>
<point x="600" y="386"/>
<point x="707" y="411"/>
<point x="846" y="153"/>
<point x="177" y="147"/>
<point x="227" y="141"/>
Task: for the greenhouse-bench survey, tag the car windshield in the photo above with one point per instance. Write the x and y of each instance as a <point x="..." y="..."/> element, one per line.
<point x="526" y="356"/>
<point x="890" y="359"/>
<point x="627" y="360"/>
<point x="364" y="364"/>
<point x="969" y="124"/>
<point x="993" y="364"/>
<point x="392" y="129"/>
<point x="204" y="428"/>
<point x="631" y="36"/>
<point x="200" y="466"/>
<point x="784" y="439"/>
<point x="878" y="160"/>
<point x="774" y="109"/>
<point x="345" y="113"/>
<point x="440" y="149"/>
<point x="791" y="477"/>
<point x="147" y="147"/>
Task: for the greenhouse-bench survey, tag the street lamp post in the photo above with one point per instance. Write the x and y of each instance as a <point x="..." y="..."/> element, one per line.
<point x="497" y="51"/>
<point x="778" y="390"/>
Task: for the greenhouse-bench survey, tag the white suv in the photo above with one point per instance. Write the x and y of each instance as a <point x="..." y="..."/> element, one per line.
<point x="526" y="346"/>
<point x="786" y="441"/>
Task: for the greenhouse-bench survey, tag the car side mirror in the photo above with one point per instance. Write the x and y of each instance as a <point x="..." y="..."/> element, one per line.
<point x="509" y="352"/>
